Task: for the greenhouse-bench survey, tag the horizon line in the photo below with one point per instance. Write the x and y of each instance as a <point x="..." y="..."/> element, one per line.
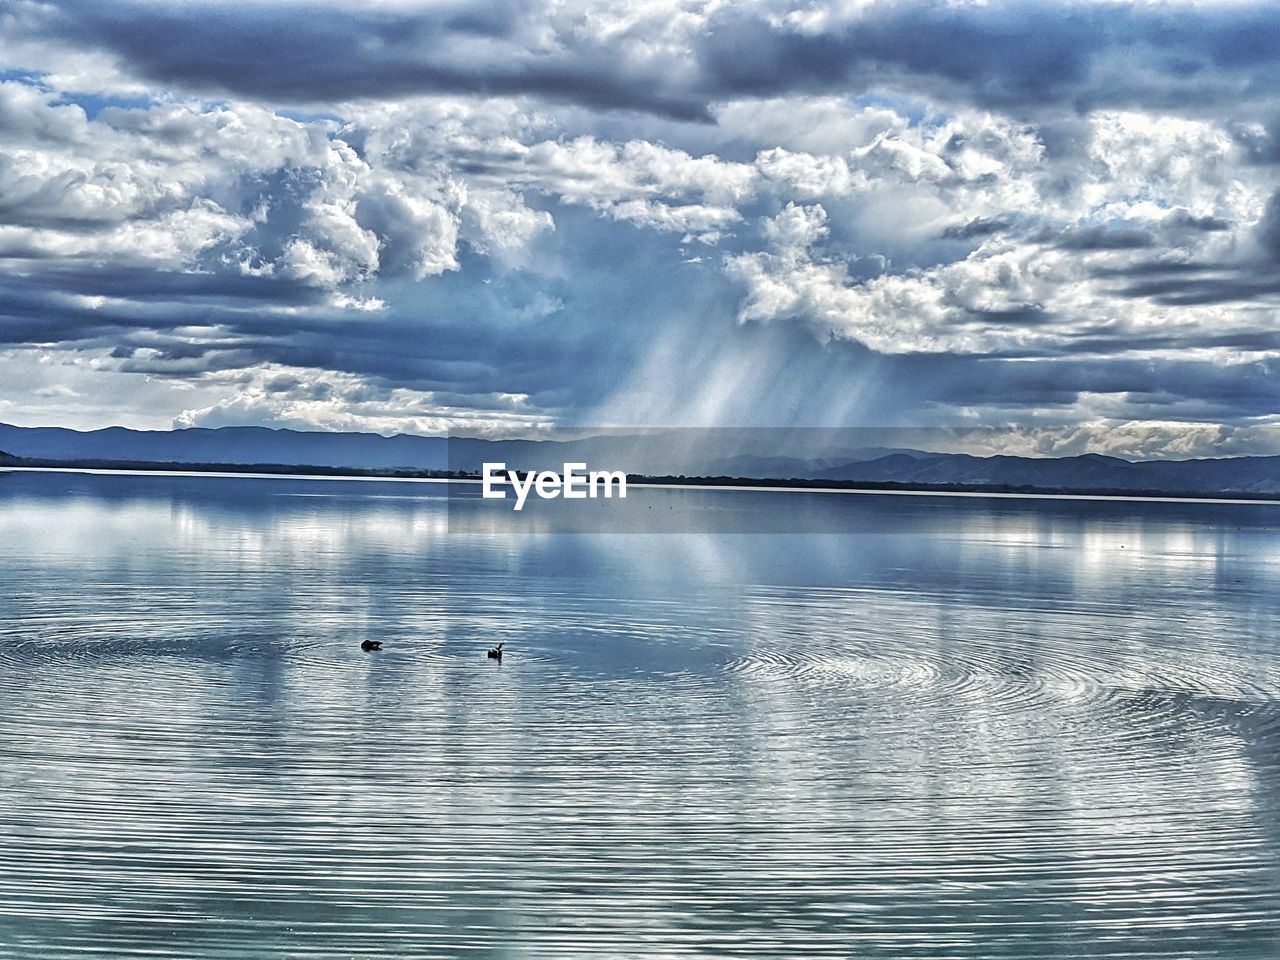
<point x="746" y="488"/>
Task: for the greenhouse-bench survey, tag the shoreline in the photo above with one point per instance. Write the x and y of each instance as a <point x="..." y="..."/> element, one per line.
<point x="745" y="485"/>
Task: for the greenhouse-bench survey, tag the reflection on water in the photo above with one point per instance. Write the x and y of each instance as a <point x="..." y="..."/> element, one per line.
<point x="985" y="729"/>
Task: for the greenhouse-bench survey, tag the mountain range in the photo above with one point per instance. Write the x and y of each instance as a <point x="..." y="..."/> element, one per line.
<point x="662" y="453"/>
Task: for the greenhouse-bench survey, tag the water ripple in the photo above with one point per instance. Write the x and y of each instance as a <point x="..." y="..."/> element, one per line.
<point x="198" y="760"/>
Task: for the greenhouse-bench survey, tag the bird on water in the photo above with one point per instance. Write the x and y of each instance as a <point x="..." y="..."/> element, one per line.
<point x="496" y="652"/>
<point x="368" y="645"/>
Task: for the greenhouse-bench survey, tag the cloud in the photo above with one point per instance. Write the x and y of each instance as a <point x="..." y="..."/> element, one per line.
<point x="303" y="213"/>
<point x="311" y="400"/>
<point x="1017" y="57"/>
<point x="381" y="51"/>
<point x="681" y="58"/>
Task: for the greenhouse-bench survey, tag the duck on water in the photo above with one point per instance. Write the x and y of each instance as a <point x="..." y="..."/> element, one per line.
<point x="368" y="646"/>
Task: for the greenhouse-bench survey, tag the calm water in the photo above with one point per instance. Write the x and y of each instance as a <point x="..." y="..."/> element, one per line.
<point x="981" y="729"/>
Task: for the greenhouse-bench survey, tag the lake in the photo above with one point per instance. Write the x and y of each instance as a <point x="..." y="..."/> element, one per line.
<point x="957" y="728"/>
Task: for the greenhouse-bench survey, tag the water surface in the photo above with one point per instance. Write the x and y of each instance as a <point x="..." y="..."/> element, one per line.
<point x="973" y="729"/>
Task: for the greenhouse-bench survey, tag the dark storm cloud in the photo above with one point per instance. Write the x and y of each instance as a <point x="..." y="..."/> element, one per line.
<point x="1183" y="220"/>
<point x="977" y="228"/>
<point x="463" y="338"/>
<point x="31" y="316"/>
<point x="1031" y="315"/>
<point x="1014" y="55"/>
<point x="402" y="349"/>
<point x="1269" y="228"/>
<point x="304" y="52"/>
<point x="1198" y="290"/>
<point x="1232" y="393"/>
<point x="1100" y="346"/>
<point x="1004" y="55"/>
<point x="140" y="282"/>
<point x="1088" y="239"/>
<point x="1250" y="279"/>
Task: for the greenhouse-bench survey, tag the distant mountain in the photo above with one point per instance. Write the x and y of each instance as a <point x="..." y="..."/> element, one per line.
<point x="783" y="468"/>
<point x="226" y="445"/>
<point x="687" y="452"/>
<point x="1084" y="473"/>
<point x="671" y="453"/>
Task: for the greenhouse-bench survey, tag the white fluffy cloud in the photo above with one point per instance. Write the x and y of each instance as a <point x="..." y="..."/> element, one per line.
<point x="236" y="221"/>
<point x="300" y="399"/>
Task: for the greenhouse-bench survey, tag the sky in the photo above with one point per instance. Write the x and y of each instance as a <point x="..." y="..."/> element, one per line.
<point x="1060" y="220"/>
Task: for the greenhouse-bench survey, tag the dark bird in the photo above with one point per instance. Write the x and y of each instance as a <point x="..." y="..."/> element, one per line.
<point x="368" y="645"/>
<point x="496" y="652"/>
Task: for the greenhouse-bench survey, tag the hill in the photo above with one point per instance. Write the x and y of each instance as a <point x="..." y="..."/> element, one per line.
<point x="726" y="456"/>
